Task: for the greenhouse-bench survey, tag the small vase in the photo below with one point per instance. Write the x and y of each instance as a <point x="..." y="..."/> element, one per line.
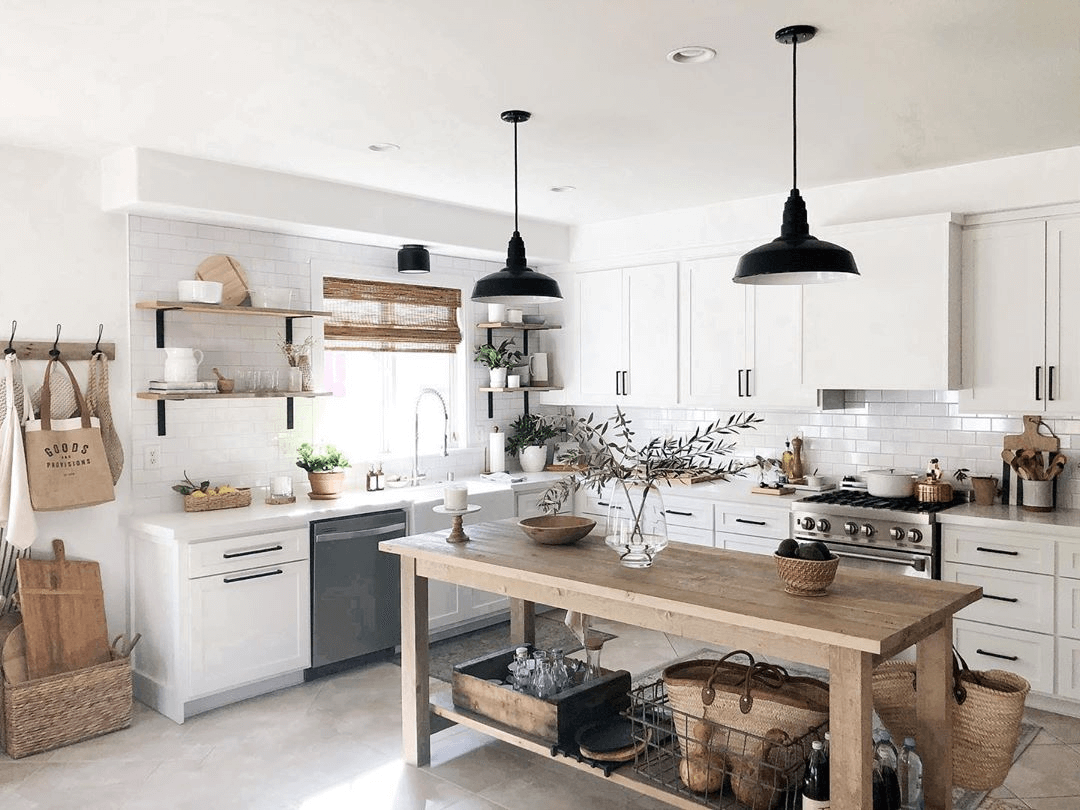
<point x="498" y="378"/>
<point x="306" y="381"/>
<point x="636" y="523"/>
<point x="295" y="379"/>
<point x="534" y="458"/>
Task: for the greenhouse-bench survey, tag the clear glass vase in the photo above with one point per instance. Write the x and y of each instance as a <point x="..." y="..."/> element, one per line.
<point x="636" y="523"/>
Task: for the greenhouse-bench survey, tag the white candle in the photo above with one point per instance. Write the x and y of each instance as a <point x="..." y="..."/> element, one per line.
<point x="456" y="498"/>
<point x="281" y="485"/>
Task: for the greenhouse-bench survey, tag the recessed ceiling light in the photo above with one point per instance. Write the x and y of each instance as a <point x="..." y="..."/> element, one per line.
<point x="691" y="55"/>
<point x="561" y="189"/>
<point x="384" y="147"/>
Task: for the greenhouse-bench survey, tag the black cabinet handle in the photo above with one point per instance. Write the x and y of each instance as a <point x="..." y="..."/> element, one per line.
<point x="998" y="655"/>
<point x="1050" y="383"/>
<point x="625" y="393"/>
<point x="998" y="551"/>
<point x="1000" y="598"/>
<point x="254" y="576"/>
<point x="740" y="382"/>
<point x="751" y="522"/>
<point x="601" y="503"/>
<point x="232" y="555"/>
<point x="616" y="383"/>
<point x="677" y="512"/>
<point x="748" y="382"/>
<point x="1038" y="387"/>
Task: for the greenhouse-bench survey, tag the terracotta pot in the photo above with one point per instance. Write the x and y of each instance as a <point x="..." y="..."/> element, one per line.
<point x="325" y="485"/>
<point x="986" y="489"/>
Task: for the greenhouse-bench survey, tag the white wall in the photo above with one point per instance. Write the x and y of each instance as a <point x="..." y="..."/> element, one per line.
<point x="64" y="261"/>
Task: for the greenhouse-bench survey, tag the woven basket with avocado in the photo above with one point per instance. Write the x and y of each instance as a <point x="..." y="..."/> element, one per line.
<point x="807" y="569"/>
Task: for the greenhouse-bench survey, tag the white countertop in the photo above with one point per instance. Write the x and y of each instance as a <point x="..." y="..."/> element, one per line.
<point x="1064" y="523"/>
<point x="195" y="527"/>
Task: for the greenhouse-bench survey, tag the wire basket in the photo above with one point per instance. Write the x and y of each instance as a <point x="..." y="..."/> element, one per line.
<point x="712" y="764"/>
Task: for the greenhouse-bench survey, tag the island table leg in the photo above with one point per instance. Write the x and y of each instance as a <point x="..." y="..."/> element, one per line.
<point x="850" y="707"/>
<point x="933" y="712"/>
<point x="415" y="700"/>
<point x="522" y="622"/>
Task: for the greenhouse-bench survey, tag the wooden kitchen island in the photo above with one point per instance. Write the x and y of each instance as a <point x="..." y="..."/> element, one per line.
<point x="727" y="598"/>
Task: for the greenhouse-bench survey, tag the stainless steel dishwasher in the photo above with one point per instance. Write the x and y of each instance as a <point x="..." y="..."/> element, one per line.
<point x="355" y="591"/>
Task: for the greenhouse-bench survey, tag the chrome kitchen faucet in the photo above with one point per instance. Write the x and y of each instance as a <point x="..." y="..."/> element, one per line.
<point x="416" y="474"/>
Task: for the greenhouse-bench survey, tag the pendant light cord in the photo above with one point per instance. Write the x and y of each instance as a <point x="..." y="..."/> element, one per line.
<point x="794" y="119"/>
<point x="516" y="229"/>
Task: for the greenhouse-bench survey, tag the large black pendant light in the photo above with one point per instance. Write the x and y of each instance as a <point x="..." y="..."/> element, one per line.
<point x="516" y="283"/>
<point x="795" y="257"/>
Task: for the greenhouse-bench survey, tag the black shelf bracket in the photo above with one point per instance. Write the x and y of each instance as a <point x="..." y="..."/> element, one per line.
<point x="289" y="413"/>
<point x="161" y="417"/>
<point x="159" y="327"/>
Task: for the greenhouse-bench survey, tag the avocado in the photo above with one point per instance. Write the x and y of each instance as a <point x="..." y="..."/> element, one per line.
<point x="787" y="548"/>
<point x="824" y="549"/>
<point x="810" y="551"/>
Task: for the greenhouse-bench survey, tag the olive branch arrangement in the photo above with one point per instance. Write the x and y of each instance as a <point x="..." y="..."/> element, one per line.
<point x="607" y="452"/>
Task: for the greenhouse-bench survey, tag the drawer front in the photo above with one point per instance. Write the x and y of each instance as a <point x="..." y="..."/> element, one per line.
<point x="769" y="523"/>
<point x="697" y="537"/>
<point x="1010" y="598"/>
<point x="742" y="542"/>
<point x="1068" y="559"/>
<point x="250" y="551"/>
<point x="692" y="513"/>
<point x="1013" y="551"/>
<point x="1029" y="655"/>
<point x="1068" y="668"/>
<point x="1068" y="608"/>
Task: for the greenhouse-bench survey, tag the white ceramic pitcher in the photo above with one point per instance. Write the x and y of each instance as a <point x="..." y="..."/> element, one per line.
<point x="182" y="364"/>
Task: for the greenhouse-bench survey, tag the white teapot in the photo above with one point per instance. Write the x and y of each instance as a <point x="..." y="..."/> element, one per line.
<point x="182" y="364"/>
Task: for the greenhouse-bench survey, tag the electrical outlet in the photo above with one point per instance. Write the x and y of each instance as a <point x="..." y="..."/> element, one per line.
<point x="152" y="456"/>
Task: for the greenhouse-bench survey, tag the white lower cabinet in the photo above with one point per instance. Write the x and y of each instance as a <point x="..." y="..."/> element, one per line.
<point x="1068" y="668"/>
<point x="1029" y="655"/>
<point x="1010" y="598"/>
<point x="755" y="529"/>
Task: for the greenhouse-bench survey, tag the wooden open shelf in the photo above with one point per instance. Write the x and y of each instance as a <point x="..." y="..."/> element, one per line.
<point x="177" y="396"/>
<point x="222" y="309"/>
<point x="520" y="388"/>
<point x="528" y="327"/>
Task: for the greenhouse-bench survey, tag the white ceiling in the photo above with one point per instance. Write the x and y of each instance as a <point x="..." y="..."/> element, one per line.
<point x="886" y="87"/>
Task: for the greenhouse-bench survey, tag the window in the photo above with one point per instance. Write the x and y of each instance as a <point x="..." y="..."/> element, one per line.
<point x="384" y="344"/>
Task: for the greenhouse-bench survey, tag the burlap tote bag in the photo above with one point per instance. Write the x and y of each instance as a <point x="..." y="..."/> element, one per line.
<point x="97" y="398"/>
<point x="65" y="458"/>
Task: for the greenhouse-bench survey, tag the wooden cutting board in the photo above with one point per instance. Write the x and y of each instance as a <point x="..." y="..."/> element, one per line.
<point x="14" y="656"/>
<point x="228" y="271"/>
<point x="63" y="609"/>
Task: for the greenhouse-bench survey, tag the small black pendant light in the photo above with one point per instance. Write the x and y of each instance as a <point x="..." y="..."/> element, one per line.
<point x="413" y="259"/>
<point x="795" y="257"/>
<point x="516" y="283"/>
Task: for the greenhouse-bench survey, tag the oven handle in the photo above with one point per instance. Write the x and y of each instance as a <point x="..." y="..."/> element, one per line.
<point x="918" y="563"/>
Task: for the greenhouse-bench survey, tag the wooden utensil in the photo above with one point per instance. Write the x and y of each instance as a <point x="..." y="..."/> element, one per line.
<point x="228" y="271"/>
<point x="63" y="610"/>
<point x="1007" y="456"/>
<point x="15" y="656"/>
<point x="1056" y="465"/>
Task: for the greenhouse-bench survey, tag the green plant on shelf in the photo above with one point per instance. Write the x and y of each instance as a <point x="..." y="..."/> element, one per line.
<point x="501" y="356"/>
<point x="530" y="430"/>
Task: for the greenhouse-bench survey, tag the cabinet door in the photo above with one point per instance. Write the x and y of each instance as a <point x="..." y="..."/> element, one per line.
<point x="1029" y="655"/>
<point x="714" y="334"/>
<point x="775" y="353"/>
<point x="1062" y="325"/>
<point x="896" y="326"/>
<point x="248" y="625"/>
<point x="747" y="543"/>
<point x="652" y="324"/>
<point x="601" y="335"/>
<point x="1010" y="598"/>
<point x="1004" y="333"/>
<point x="1068" y="668"/>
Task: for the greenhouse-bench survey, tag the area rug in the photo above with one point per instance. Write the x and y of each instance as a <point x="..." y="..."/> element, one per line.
<point x="962" y="799"/>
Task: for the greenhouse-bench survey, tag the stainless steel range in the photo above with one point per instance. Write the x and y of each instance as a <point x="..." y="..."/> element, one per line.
<point x="891" y="535"/>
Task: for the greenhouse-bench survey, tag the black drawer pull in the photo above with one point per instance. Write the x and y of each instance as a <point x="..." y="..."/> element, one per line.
<point x="751" y="522"/>
<point x="1000" y="598"/>
<point x="254" y="576"/>
<point x="234" y="554"/>
<point x="998" y="655"/>
<point x="604" y="503"/>
<point x="998" y="551"/>
<point x="677" y="512"/>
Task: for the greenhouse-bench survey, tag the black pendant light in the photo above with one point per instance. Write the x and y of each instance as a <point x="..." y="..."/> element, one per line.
<point x="795" y="257"/>
<point x="516" y="283"/>
<point x="413" y="259"/>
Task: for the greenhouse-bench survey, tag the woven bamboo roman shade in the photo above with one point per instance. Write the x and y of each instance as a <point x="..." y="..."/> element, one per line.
<point x="378" y="316"/>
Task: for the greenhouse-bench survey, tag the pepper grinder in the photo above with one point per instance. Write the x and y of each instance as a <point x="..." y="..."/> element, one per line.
<point x="796" y="459"/>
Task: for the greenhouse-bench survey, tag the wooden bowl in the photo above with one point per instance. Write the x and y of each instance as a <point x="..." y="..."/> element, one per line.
<point x="806" y="577"/>
<point x="556" y="530"/>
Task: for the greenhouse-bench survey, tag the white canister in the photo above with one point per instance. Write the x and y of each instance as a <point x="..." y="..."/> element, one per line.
<point x="1038" y="495"/>
<point x="496" y="313"/>
<point x="514" y="315"/>
<point x="182" y="364"/>
<point x="513" y="381"/>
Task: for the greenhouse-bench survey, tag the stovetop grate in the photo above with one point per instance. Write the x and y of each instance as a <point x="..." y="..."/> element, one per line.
<point x="856" y="499"/>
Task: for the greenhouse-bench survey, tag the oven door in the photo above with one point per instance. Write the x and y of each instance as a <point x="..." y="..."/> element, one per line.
<point x="883" y="560"/>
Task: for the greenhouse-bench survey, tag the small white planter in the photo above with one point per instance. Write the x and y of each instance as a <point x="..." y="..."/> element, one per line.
<point x="498" y="378"/>
<point x="533" y="459"/>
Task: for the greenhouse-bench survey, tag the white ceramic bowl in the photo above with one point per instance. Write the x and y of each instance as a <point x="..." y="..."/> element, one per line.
<point x="272" y="298"/>
<point x="199" y="292"/>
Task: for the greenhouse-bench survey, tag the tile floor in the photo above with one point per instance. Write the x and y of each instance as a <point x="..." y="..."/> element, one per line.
<point x="335" y="744"/>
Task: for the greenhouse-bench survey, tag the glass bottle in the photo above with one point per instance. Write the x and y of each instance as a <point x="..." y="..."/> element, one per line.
<point x="560" y="670"/>
<point x="522" y="675"/>
<point x="369" y="479"/>
<point x="909" y="772"/>
<point x="593" y="646"/>
<point x="636" y="523"/>
<point x="815" y="784"/>
<point x="380" y="478"/>
<point x="886" y="786"/>
<point x="543" y="678"/>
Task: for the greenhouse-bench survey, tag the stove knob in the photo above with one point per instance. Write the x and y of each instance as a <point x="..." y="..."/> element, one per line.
<point x="823" y="525"/>
<point x="807" y="523"/>
<point x="896" y="533"/>
<point x="851" y="527"/>
<point x="868" y="530"/>
<point x="914" y="535"/>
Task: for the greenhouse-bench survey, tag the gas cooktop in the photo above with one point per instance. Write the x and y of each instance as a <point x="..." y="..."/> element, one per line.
<point x="859" y="499"/>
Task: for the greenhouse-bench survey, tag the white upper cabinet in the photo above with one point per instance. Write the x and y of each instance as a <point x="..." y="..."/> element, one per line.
<point x="628" y="348"/>
<point x="896" y="326"/>
<point x="741" y="345"/>
<point x="1021" y="343"/>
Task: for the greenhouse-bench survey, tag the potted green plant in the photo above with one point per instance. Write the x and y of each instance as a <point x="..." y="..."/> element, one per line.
<point x="528" y="436"/>
<point x="498" y="359"/>
<point x="325" y="468"/>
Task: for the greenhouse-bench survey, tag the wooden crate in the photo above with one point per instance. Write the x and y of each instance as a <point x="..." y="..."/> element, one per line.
<point x="555" y="719"/>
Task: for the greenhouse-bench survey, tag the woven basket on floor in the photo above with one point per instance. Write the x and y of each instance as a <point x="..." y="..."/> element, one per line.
<point x="806" y="577"/>
<point x="985" y="727"/>
<point x="46" y="713"/>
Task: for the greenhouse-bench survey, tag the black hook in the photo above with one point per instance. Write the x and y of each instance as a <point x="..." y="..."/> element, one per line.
<point x="97" y="346"/>
<point x="54" y="352"/>
<point x="11" y="349"/>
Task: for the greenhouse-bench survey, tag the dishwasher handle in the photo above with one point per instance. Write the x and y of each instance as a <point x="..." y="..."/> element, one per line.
<point x="353" y="534"/>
